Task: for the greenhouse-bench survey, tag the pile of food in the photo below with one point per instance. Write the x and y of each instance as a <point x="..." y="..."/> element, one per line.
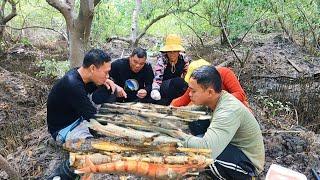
<point x="139" y="139"/>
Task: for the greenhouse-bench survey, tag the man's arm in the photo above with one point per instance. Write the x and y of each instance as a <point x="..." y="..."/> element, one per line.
<point x="223" y="127"/>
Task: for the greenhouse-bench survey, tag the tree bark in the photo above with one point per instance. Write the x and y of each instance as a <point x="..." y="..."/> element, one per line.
<point x="78" y="26"/>
<point x="6" y="18"/>
<point x="134" y="26"/>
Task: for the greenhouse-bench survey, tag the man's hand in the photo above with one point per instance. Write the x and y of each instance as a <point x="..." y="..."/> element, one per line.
<point x="141" y="93"/>
<point x="179" y="134"/>
<point x="155" y="94"/>
<point x="120" y="92"/>
<point x="110" y="85"/>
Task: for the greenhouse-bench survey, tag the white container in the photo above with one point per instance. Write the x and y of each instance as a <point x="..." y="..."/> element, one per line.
<point x="277" y="172"/>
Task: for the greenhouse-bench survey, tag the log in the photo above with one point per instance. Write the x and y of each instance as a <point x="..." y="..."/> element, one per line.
<point x="117" y="131"/>
<point x="78" y="160"/>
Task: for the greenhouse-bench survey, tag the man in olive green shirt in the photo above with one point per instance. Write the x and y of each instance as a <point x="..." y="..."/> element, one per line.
<point x="234" y="135"/>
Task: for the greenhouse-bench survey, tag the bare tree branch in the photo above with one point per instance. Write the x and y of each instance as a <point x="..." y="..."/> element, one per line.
<point x="36" y="27"/>
<point x="194" y="13"/>
<point x="2" y="8"/>
<point x="143" y="32"/>
<point x="281" y="21"/>
<point x="310" y="26"/>
<point x="118" y="38"/>
<point x="12" y="14"/>
<point x="62" y="7"/>
<point x="192" y="29"/>
<point x="223" y="29"/>
<point x="249" y="29"/>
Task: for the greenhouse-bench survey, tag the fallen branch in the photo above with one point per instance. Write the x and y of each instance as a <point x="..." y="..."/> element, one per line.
<point x="295" y="66"/>
<point x="4" y="165"/>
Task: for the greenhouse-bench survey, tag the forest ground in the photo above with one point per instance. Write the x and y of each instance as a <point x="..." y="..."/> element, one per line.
<point x="291" y="135"/>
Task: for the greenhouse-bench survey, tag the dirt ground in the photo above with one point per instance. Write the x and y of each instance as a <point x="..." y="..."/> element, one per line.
<point x="289" y="141"/>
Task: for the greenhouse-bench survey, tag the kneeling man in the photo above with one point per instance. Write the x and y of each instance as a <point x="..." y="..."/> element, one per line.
<point x="234" y="135"/>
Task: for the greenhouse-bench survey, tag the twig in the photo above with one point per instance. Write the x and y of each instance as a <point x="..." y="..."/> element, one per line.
<point x="35" y="27"/>
<point x="297" y="117"/>
<point x="295" y="66"/>
<point x="281" y="131"/>
<point x="192" y="29"/>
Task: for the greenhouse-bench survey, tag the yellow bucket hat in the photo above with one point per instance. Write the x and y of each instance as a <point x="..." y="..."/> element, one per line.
<point x="173" y="43"/>
<point x="193" y="66"/>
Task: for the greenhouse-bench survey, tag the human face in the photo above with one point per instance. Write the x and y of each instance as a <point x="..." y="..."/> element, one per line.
<point x="136" y="63"/>
<point x="101" y="74"/>
<point x="198" y="94"/>
<point x="173" y="56"/>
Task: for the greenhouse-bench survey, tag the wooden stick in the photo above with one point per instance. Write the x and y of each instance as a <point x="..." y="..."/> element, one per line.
<point x="295" y="66"/>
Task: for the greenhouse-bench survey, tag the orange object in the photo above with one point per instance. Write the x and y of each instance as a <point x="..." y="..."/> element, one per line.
<point x="230" y="84"/>
<point x="151" y="170"/>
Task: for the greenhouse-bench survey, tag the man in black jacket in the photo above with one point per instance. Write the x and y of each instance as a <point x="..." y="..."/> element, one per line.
<point x="69" y="105"/>
<point x="134" y="75"/>
<point x="68" y="101"/>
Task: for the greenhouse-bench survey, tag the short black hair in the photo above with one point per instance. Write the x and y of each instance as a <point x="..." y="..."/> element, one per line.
<point x="208" y="76"/>
<point x="140" y="52"/>
<point x="96" y="57"/>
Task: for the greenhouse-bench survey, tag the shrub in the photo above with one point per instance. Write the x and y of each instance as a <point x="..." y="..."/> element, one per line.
<point x="53" y="68"/>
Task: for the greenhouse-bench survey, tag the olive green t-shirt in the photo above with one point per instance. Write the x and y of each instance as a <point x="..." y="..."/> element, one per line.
<point x="232" y="123"/>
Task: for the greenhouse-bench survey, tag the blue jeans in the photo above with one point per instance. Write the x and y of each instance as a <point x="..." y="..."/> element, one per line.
<point x="76" y="130"/>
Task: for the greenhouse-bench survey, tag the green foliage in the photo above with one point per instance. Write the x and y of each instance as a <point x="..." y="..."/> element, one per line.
<point x="53" y="68"/>
<point x="300" y="17"/>
<point x="274" y="107"/>
<point x="114" y="18"/>
<point x="25" y="41"/>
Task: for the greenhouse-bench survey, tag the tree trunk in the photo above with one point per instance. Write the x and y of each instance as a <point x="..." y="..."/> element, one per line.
<point x="78" y="27"/>
<point x="2" y="26"/>
<point x="6" y="18"/>
<point x="76" y="47"/>
<point x="134" y="25"/>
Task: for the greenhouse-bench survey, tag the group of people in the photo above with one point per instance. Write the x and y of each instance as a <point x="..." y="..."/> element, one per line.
<point x="233" y="134"/>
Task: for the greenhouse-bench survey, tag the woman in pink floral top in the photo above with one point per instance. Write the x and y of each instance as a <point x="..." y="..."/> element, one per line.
<point x="171" y="67"/>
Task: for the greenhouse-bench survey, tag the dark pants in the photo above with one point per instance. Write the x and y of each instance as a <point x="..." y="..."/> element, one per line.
<point x="171" y="89"/>
<point x="232" y="163"/>
<point x="199" y="127"/>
